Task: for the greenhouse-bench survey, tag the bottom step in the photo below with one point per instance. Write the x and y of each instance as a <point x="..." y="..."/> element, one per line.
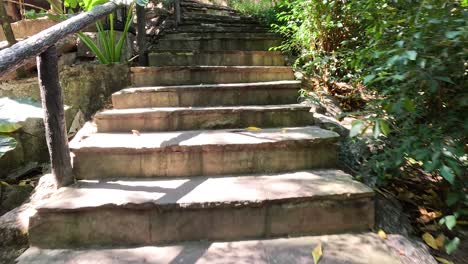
<point x="148" y="212"/>
<point x="337" y="249"/>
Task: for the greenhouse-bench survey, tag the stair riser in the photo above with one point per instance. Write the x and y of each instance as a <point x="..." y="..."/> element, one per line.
<point x="217" y="44"/>
<point x="215" y="59"/>
<point x="211" y="2"/>
<point x="206" y="97"/>
<point x="153" y="226"/>
<point x="195" y="10"/>
<point x="221" y="29"/>
<point x="181" y="76"/>
<point x="214" y="35"/>
<point x="206" y="18"/>
<point x="203" y="120"/>
<point x="206" y="160"/>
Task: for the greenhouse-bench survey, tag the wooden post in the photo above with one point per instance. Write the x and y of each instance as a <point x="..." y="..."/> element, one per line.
<point x="5" y="20"/>
<point x="141" y="35"/>
<point x="177" y="12"/>
<point x="54" y="117"/>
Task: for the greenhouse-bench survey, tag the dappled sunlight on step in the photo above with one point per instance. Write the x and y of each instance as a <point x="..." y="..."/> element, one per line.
<point x="199" y="192"/>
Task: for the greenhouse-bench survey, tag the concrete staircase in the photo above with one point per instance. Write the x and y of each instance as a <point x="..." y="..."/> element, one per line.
<point x="192" y="172"/>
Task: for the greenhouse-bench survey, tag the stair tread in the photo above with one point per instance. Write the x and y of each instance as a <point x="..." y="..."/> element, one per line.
<point x="210" y="68"/>
<point x="228" y="36"/>
<point x="199" y="138"/>
<point x="206" y="86"/>
<point x="168" y="110"/>
<point x="343" y="248"/>
<point x="207" y="192"/>
<point x="240" y="52"/>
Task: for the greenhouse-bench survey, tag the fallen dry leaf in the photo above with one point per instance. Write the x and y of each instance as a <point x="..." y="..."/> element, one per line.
<point x="252" y="128"/>
<point x="430" y="240"/>
<point x="317" y="253"/>
<point x="443" y="261"/>
<point x="382" y="234"/>
<point x="440" y="240"/>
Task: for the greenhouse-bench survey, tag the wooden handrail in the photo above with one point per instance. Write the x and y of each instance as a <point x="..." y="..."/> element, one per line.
<point x="14" y="56"/>
<point x="42" y="46"/>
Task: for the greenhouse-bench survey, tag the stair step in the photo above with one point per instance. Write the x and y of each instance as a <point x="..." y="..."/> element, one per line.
<point x="149" y="212"/>
<point x="338" y="249"/>
<point x="203" y="152"/>
<point x="208" y="6"/>
<point x="222" y="3"/>
<point x="221" y="28"/>
<point x="179" y="75"/>
<point x="202" y="42"/>
<point x="216" y="58"/>
<point x="210" y="11"/>
<point x="183" y="118"/>
<point x="261" y="93"/>
<point x="215" y="35"/>
<point x="218" y="18"/>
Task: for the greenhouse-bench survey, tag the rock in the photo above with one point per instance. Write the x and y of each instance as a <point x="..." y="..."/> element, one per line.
<point x="67" y="59"/>
<point x="409" y="250"/>
<point x="390" y="217"/>
<point x="31" y="144"/>
<point x="330" y="123"/>
<point x="14" y="224"/>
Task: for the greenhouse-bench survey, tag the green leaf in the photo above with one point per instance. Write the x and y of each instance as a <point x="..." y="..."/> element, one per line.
<point x="384" y="127"/>
<point x="141" y="2"/>
<point x="444" y="79"/>
<point x="411" y="54"/>
<point x="376" y="129"/>
<point x="93" y="47"/>
<point x="452" y="34"/>
<point x="450" y="221"/>
<point x="452" y="198"/>
<point x="356" y="128"/>
<point x="447" y="173"/>
<point x="452" y="245"/>
<point x="409" y="105"/>
<point x="6" y="144"/>
<point x="368" y="78"/>
<point x="8" y="127"/>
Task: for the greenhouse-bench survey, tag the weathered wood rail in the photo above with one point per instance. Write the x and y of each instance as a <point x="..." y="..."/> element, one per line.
<point x="42" y="46"/>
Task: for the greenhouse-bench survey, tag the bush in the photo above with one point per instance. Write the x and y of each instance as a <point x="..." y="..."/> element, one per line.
<point x="411" y="56"/>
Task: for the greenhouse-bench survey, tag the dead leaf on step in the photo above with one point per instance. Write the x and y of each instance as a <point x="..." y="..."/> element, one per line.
<point x="135" y="132"/>
<point x="426" y="216"/>
<point x="443" y="261"/>
<point x="430" y="240"/>
<point x="440" y="240"/>
<point x="382" y="234"/>
<point x="252" y="128"/>
<point x="317" y="253"/>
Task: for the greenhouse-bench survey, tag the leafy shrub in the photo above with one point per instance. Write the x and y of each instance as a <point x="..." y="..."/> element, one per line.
<point x="265" y="10"/>
<point x="411" y="56"/>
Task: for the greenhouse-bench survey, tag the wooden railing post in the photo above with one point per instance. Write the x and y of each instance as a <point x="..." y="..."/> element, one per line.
<point x="141" y="35"/>
<point x="177" y="12"/>
<point x="54" y="116"/>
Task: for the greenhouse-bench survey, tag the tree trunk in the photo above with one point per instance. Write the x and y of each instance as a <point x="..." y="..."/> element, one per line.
<point x="5" y="20"/>
<point x="54" y="117"/>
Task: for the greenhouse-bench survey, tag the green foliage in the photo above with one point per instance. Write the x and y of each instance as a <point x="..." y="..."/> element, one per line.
<point x="7" y="143"/>
<point x="265" y="10"/>
<point x="105" y="48"/>
<point x="411" y="56"/>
